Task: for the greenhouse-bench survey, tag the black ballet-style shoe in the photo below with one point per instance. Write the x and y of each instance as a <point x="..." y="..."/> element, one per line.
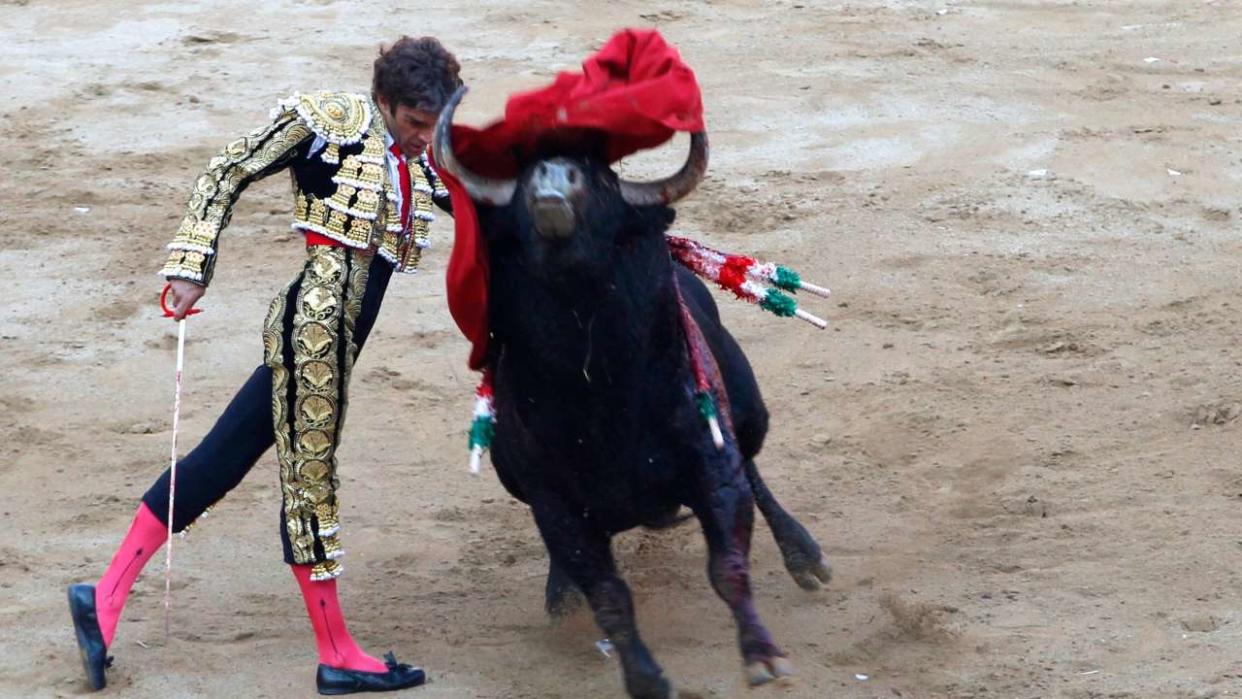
<point x="95" y="658"/>
<point x="332" y="680"/>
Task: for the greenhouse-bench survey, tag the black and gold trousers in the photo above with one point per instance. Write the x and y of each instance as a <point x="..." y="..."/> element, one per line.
<point x="313" y="332"/>
<point x="308" y="342"/>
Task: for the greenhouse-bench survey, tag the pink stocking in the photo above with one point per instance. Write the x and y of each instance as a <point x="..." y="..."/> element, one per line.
<point x="146" y="534"/>
<point x="336" y="647"/>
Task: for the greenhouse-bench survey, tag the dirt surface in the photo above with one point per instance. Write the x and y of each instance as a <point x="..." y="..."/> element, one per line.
<point x="1018" y="441"/>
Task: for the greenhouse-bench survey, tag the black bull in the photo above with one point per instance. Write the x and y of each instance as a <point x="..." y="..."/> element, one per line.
<point x="597" y="426"/>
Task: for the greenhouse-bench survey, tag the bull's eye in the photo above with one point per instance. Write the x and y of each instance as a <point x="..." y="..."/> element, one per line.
<point x="573" y="176"/>
<point x="543" y="170"/>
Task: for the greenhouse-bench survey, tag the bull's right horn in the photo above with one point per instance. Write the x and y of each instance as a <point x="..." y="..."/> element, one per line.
<point x="670" y="189"/>
<point x="485" y="190"/>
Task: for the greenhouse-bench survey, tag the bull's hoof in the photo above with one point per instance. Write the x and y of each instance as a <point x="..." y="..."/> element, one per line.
<point x="562" y="606"/>
<point x="560" y="597"/>
<point x="811" y="576"/>
<point x="648" y="687"/>
<point x="768" y="670"/>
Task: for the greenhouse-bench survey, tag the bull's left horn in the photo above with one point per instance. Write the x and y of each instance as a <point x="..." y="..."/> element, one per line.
<point x="670" y="189"/>
<point x="485" y="190"/>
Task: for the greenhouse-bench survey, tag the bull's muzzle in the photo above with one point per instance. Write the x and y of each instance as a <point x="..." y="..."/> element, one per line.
<point x="553" y="195"/>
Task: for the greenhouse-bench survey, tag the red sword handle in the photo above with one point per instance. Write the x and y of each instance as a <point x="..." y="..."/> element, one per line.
<point x="168" y="312"/>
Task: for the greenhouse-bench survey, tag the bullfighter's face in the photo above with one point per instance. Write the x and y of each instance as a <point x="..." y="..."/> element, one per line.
<point x="411" y="128"/>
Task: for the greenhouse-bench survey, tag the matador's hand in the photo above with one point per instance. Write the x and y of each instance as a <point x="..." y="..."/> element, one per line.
<point x="184" y="295"/>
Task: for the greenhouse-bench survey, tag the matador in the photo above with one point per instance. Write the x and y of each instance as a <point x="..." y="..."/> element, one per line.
<point x="363" y="194"/>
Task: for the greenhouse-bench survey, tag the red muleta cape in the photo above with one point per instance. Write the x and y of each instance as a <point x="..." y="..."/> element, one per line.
<point x="635" y="90"/>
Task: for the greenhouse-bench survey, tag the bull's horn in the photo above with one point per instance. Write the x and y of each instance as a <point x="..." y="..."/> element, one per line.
<point x="486" y="190"/>
<point x="671" y="189"/>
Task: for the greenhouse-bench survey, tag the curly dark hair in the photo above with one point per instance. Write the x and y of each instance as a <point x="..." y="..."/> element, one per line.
<point x="419" y="73"/>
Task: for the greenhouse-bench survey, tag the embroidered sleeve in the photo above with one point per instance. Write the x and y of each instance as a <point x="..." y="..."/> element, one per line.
<point x="248" y="159"/>
<point x="439" y="194"/>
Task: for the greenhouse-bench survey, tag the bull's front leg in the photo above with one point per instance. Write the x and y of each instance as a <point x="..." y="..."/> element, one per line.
<point x="560" y="597"/>
<point x="725" y="507"/>
<point x="584" y="555"/>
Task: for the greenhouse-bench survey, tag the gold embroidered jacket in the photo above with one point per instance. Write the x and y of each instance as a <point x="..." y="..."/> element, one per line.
<point x="333" y="143"/>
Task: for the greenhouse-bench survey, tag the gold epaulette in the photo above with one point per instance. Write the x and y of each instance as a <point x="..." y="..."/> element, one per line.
<point x="340" y="118"/>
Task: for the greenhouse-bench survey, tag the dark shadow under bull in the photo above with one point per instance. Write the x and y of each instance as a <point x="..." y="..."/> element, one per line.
<point x="597" y="428"/>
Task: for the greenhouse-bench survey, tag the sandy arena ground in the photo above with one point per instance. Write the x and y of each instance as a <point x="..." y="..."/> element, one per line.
<point x="1018" y="441"/>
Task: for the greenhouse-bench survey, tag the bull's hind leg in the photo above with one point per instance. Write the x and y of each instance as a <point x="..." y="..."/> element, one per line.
<point x="584" y="555"/>
<point x="804" y="559"/>
<point x="726" y="510"/>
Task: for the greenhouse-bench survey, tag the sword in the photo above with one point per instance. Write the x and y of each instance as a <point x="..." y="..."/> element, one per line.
<point x="172" y="481"/>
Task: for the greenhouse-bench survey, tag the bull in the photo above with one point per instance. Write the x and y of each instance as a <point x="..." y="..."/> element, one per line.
<point x="598" y="430"/>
